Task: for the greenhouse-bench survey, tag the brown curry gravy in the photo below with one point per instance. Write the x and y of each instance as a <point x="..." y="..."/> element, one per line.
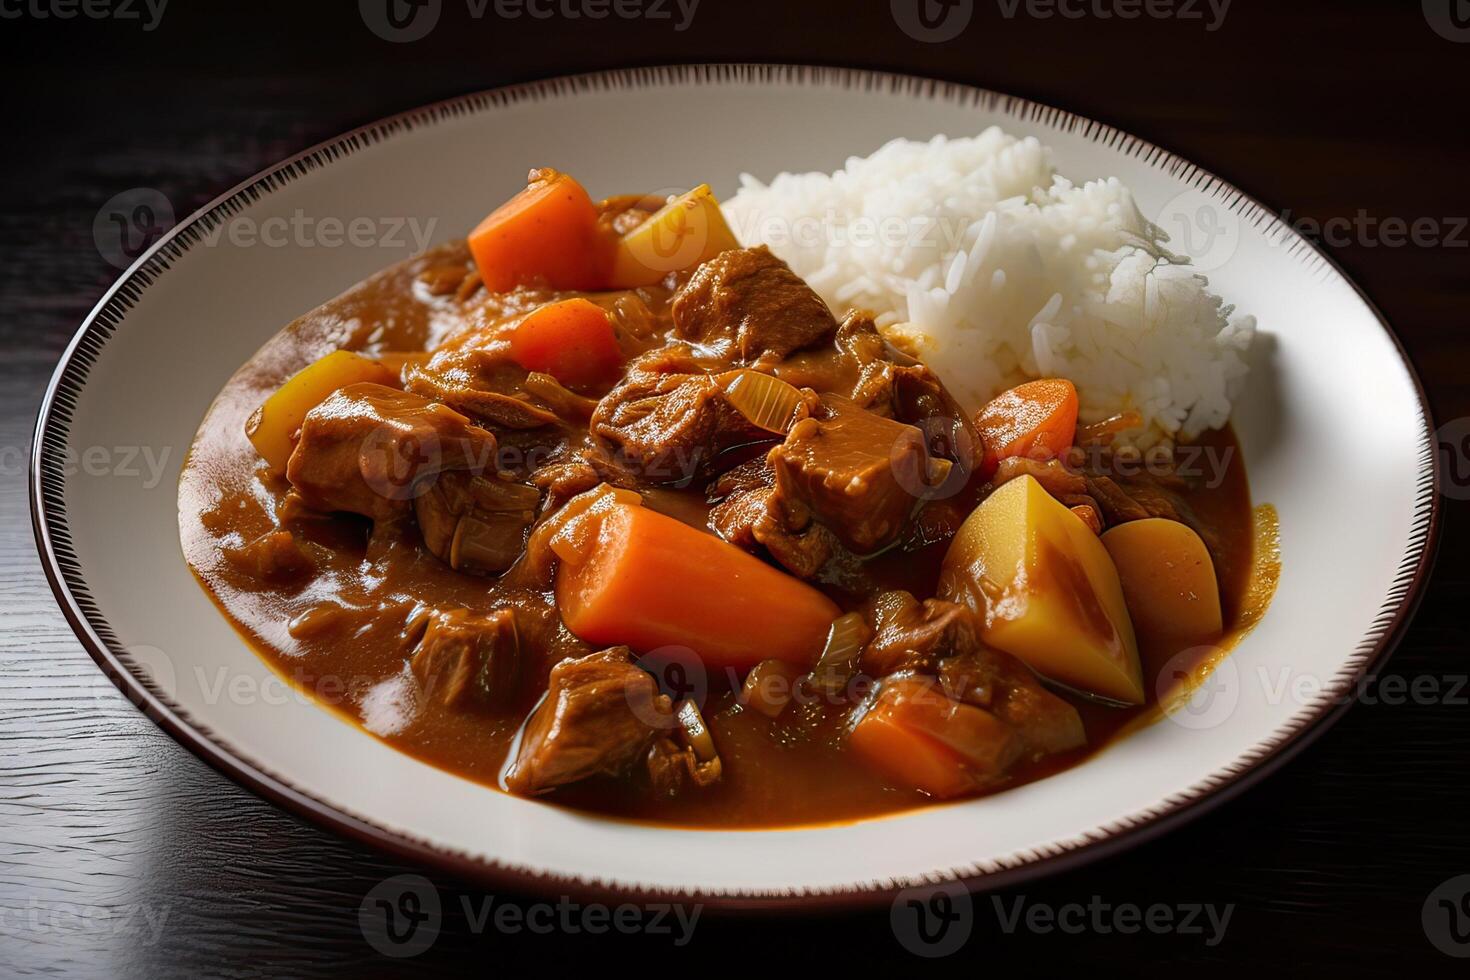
<point x="337" y="637"/>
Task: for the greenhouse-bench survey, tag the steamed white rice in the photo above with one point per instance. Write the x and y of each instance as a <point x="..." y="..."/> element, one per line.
<point x="999" y="269"/>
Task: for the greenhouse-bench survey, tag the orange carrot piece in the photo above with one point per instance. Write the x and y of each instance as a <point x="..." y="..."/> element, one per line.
<point x="546" y="234"/>
<point x="649" y="581"/>
<point x="918" y="736"/>
<point x="1037" y="420"/>
<point x="573" y="341"/>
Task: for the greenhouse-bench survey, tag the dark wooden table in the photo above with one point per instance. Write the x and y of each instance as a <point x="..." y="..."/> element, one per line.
<point x="122" y="854"/>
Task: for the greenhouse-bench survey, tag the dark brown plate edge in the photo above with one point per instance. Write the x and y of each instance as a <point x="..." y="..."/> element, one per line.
<point x="63" y="572"/>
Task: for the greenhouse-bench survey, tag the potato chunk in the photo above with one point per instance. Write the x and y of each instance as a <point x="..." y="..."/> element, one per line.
<point x="272" y="427"/>
<point x="1169" y="581"/>
<point x="1045" y="591"/>
<point x="687" y="231"/>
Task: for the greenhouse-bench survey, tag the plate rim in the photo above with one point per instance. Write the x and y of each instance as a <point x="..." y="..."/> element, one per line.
<point x="63" y="572"/>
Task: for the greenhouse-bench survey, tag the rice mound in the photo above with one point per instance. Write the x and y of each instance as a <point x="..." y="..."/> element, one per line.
<point x="997" y="269"/>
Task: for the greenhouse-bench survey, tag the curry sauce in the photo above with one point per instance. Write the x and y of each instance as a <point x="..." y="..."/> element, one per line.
<point x="344" y="629"/>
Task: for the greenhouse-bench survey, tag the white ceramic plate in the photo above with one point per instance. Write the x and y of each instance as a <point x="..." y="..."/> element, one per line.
<point x="1334" y="427"/>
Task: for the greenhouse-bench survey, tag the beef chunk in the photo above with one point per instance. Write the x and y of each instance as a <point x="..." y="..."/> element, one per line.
<point x="570" y="407"/>
<point x="1008" y="689"/>
<point x="581" y="470"/>
<point x="669" y="421"/>
<point x="672" y="768"/>
<point x="856" y="365"/>
<point x="751" y="307"/>
<point x="858" y="473"/>
<point x="1137" y="502"/>
<point x="476" y="523"/>
<point x="938" y="637"/>
<point x="918" y="398"/>
<point x="478" y="378"/>
<point x="1133" y="494"/>
<point x="466" y="660"/>
<point x="275" y="556"/>
<point x="563" y="481"/>
<point x="913" y="635"/>
<point x="369" y="449"/>
<point x="751" y="514"/>
<point x="1055" y="477"/>
<point x="862" y="366"/>
<point x="601" y="715"/>
<point x="860" y="344"/>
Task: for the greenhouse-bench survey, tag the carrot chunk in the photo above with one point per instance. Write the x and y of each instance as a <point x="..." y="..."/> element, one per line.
<point x="573" y="341"/>
<point x="546" y="234"/>
<point x="1037" y="420"/>
<point x="646" y="580"/>
<point x="917" y="736"/>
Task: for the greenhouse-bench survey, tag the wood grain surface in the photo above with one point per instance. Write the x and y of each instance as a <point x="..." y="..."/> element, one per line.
<point x="123" y="855"/>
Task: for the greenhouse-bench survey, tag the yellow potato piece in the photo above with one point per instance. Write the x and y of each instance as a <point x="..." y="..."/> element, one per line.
<point x="1169" y="581"/>
<point x="273" y="426"/>
<point x="1045" y="591"/>
<point x="687" y="231"/>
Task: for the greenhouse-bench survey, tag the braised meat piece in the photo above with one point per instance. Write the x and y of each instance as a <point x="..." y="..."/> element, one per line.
<point x="673" y="768"/>
<point x="935" y="637"/>
<point x="1055" y="477"/>
<point x="480" y="380"/>
<point x="476" y="523"/>
<point x="466" y="660"/>
<point x="601" y="714"/>
<point x="920" y="399"/>
<point x="752" y="513"/>
<point x="1135" y="503"/>
<point x="863" y="367"/>
<point x="669" y="421"/>
<point x="669" y="767"/>
<point x="274" y="556"/>
<point x="913" y="635"/>
<point x="1122" y="488"/>
<point x="858" y="473"/>
<point x="368" y="449"/>
<point x="750" y="307"/>
<point x="1063" y="482"/>
<point x="1008" y="689"/>
<point x="855" y="364"/>
<point x="562" y="481"/>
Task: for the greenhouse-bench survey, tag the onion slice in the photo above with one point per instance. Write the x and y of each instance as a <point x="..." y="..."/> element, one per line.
<point x="694" y="732"/>
<point x="1102" y="433"/>
<point x="767" y="402"/>
<point x="838" y="662"/>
